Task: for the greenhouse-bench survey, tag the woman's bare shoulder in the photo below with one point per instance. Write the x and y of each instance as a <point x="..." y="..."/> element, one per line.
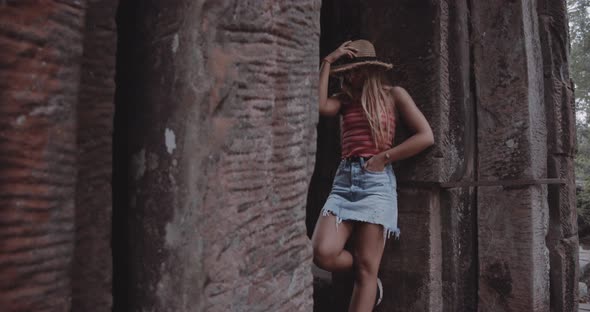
<point x="393" y="91"/>
<point x="396" y="90"/>
<point x="388" y="87"/>
<point x="400" y="97"/>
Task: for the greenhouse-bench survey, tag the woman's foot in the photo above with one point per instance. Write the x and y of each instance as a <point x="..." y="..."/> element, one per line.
<point x="379" y="292"/>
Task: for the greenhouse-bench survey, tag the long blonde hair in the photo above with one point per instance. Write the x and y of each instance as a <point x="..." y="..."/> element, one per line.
<point x="377" y="103"/>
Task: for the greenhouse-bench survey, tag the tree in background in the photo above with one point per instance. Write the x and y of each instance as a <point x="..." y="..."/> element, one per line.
<point x="579" y="24"/>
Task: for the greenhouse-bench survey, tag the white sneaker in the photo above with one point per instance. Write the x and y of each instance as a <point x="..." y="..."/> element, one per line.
<point x="379" y="292"/>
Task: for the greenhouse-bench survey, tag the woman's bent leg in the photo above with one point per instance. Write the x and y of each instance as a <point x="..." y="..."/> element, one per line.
<point x="328" y="242"/>
<point x="368" y="249"/>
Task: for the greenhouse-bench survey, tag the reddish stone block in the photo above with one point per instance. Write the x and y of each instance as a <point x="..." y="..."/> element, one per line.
<point x="39" y="79"/>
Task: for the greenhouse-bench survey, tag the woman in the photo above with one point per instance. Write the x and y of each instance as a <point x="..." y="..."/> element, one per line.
<point x="363" y="200"/>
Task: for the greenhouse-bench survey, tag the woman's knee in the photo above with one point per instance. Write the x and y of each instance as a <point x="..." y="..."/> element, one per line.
<point x="366" y="269"/>
<point x="323" y="256"/>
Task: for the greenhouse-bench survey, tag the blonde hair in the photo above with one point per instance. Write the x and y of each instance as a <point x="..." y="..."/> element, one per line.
<point x="376" y="100"/>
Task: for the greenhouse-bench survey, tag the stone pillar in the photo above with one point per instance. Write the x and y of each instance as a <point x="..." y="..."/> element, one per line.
<point x="512" y="144"/>
<point x="221" y="109"/>
<point x="92" y="267"/>
<point x="39" y="79"/>
<point x="409" y="33"/>
<point x="562" y="239"/>
<point x="459" y="140"/>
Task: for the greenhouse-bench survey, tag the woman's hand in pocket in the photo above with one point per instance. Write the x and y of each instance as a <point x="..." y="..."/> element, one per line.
<point x="376" y="163"/>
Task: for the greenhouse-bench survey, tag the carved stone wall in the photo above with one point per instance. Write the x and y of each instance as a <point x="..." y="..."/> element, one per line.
<point x="41" y="48"/>
<point x="220" y="107"/>
<point x="161" y="155"/>
<point x="492" y="80"/>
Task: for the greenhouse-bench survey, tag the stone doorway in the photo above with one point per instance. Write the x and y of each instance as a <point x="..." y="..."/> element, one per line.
<point x="459" y="249"/>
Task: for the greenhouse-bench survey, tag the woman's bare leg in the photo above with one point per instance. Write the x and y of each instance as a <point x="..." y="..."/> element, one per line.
<point x="328" y="244"/>
<point x="368" y="249"/>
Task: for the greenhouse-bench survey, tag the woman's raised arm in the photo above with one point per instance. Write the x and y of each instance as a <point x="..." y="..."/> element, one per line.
<point x="329" y="105"/>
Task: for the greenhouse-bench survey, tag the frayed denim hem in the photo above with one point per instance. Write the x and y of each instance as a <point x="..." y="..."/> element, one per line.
<point x="387" y="231"/>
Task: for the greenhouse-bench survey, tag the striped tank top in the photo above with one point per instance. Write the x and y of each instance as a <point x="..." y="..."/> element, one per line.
<point x="356" y="136"/>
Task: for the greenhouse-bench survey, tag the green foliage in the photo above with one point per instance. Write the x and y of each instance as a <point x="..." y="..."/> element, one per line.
<point x="582" y="159"/>
<point x="579" y="24"/>
<point x="583" y="203"/>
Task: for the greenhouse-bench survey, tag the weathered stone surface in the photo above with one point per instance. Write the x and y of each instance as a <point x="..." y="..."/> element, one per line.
<point x="512" y="222"/>
<point x="559" y="105"/>
<point x="223" y="115"/>
<point x="459" y="138"/>
<point x="511" y="115"/>
<point x="39" y="78"/>
<point x="412" y="267"/>
<point x="212" y="156"/>
<point x="564" y="274"/>
<point x="559" y="100"/>
<point x="92" y="267"/>
<point x="562" y="238"/>
<point x="512" y="251"/>
<point x="459" y="249"/>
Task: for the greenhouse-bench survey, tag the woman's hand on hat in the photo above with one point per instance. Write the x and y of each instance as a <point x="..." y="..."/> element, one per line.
<point x="343" y="49"/>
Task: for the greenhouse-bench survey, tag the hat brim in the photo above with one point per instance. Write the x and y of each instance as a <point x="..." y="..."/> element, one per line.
<point x="345" y="67"/>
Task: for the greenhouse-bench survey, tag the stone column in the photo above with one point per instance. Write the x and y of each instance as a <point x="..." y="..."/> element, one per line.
<point x="562" y="239"/>
<point x="221" y="112"/>
<point x="459" y="139"/>
<point x="512" y="144"/>
<point x="92" y="267"/>
<point x="39" y="78"/>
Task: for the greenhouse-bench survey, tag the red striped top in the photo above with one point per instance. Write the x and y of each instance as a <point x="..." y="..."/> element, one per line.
<point x="356" y="136"/>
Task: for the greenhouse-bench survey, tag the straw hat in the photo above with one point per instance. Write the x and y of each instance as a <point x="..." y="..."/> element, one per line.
<point x="365" y="56"/>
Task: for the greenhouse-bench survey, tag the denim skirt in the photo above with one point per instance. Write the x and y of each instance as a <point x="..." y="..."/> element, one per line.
<point x="362" y="195"/>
